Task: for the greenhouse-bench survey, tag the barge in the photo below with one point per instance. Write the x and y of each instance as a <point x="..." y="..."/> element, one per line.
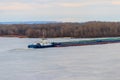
<point x="45" y="44"/>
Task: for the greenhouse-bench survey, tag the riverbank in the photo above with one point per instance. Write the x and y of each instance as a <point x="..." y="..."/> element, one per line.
<point x="19" y="36"/>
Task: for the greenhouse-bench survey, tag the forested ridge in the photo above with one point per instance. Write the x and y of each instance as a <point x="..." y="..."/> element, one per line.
<point x="78" y="30"/>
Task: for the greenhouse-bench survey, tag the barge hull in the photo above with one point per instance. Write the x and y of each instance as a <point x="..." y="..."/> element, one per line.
<point x="88" y="42"/>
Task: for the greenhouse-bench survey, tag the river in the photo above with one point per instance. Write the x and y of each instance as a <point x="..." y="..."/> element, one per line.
<point x="93" y="62"/>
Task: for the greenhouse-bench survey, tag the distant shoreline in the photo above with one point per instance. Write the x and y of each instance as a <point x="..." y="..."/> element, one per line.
<point x="18" y="36"/>
<point x="57" y="30"/>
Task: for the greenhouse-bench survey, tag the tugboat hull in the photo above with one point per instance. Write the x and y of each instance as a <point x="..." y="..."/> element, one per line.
<point x="39" y="46"/>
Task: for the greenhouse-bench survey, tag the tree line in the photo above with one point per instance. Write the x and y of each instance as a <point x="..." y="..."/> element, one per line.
<point x="77" y="30"/>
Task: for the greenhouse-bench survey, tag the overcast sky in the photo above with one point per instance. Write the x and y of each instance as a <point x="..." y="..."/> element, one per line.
<point x="60" y="10"/>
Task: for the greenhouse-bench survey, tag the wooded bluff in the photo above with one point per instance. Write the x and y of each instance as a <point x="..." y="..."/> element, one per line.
<point x="77" y="30"/>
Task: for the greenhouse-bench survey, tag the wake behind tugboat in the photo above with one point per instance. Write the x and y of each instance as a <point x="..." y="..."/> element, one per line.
<point x="44" y="44"/>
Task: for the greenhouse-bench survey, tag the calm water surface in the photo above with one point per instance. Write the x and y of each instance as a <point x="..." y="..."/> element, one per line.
<point x="96" y="62"/>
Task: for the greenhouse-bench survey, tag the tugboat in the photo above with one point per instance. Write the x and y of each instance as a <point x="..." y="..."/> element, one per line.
<point x="41" y="44"/>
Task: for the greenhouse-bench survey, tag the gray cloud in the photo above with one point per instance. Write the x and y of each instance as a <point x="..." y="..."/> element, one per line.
<point x="63" y="10"/>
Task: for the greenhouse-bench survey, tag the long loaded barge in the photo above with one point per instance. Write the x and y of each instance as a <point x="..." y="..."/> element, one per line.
<point x="45" y="44"/>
